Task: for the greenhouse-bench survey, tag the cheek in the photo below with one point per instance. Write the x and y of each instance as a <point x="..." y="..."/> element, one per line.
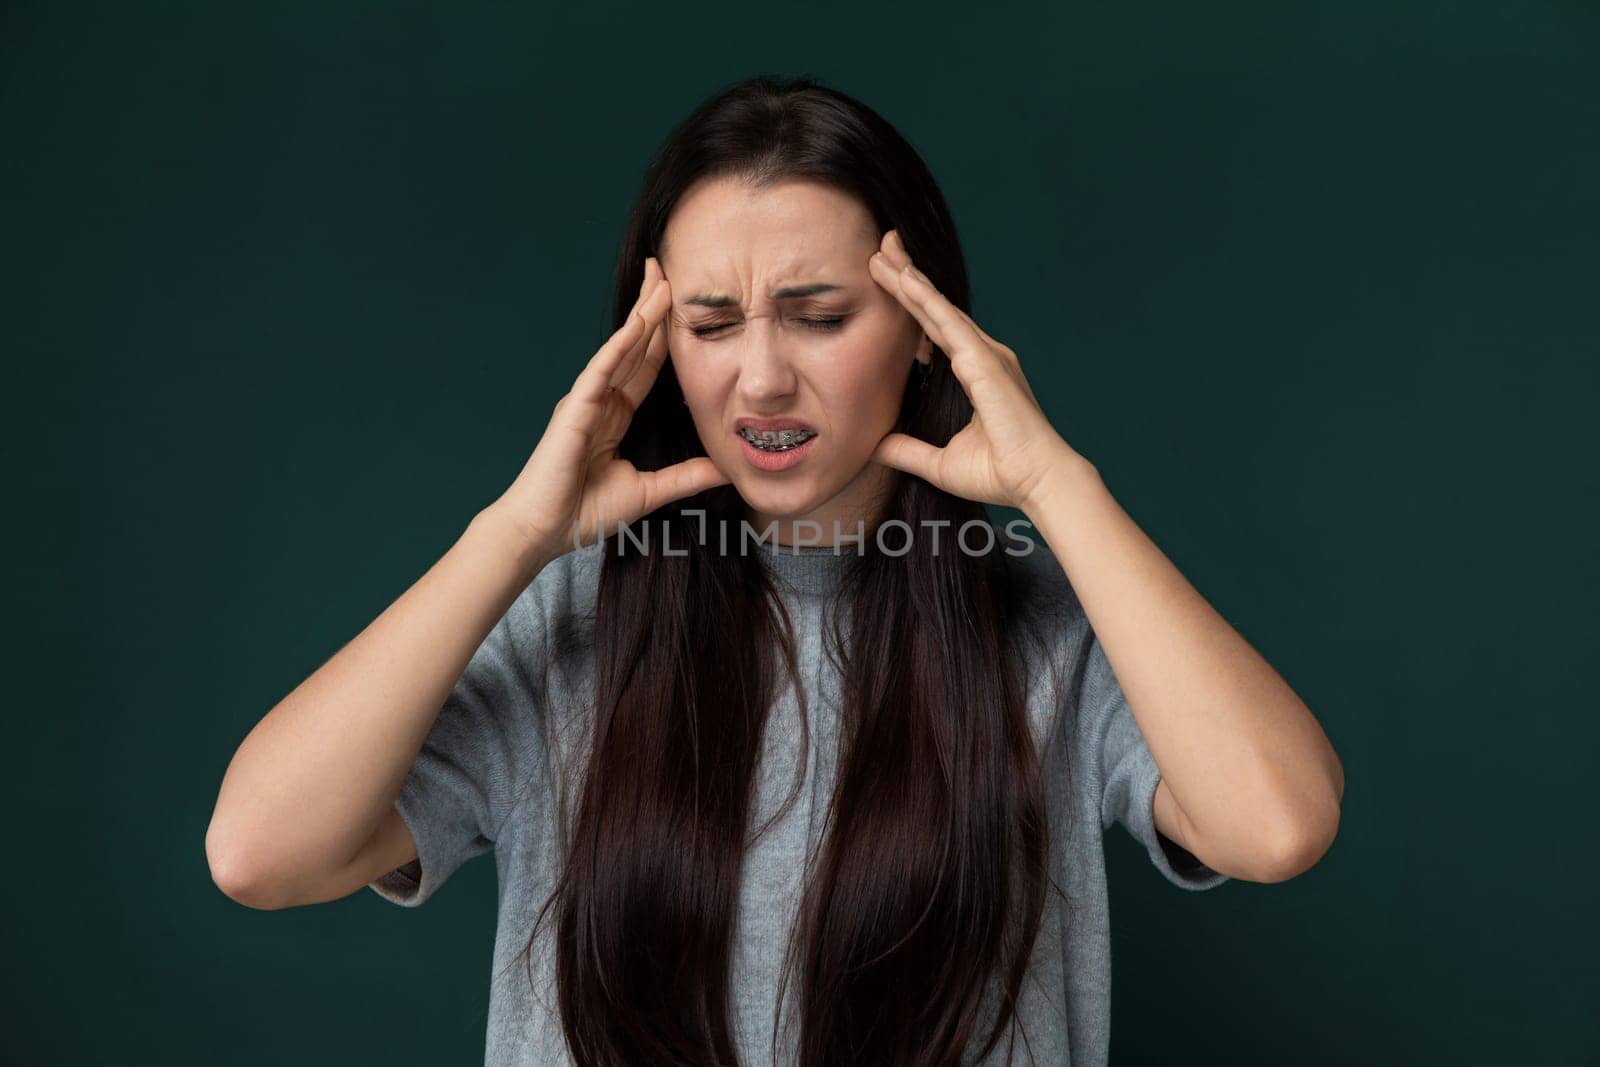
<point x="869" y="379"/>
<point x="693" y="376"/>
<point x="706" y="395"/>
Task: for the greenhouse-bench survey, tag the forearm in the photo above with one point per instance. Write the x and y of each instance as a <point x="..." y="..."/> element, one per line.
<point x="1243" y="756"/>
<point x="309" y="784"/>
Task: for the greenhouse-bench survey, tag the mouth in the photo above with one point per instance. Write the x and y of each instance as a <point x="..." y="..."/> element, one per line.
<point x="774" y="435"/>
<point x="777" y="441"/>
<point x="775" y="445"/>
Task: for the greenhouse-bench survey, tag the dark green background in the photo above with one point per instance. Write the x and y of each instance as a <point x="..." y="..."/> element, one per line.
<point x="290" y="291"/>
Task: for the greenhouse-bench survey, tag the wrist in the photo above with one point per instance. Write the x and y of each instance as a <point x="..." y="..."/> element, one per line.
<point x="502" y="535"/>
<point x="1068" y="473"/>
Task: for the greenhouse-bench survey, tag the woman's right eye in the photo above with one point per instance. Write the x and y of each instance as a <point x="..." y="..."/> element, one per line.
<point x="823" y="324"/>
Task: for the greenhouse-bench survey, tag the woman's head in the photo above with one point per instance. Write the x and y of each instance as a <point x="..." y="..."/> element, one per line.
<point x="769" y="186"/>
<point x="775" y="316"/>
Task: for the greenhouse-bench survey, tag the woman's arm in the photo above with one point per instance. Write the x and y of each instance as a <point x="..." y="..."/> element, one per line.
<point x="308" y="794"/>
<point x="305" y="807"/>
<point x="1253" y="786"/>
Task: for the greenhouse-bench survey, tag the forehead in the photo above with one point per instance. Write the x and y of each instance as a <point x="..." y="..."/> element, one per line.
<point x="725" y="231"/>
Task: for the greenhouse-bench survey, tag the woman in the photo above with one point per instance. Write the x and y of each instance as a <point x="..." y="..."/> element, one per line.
<point x="830" y="804"/>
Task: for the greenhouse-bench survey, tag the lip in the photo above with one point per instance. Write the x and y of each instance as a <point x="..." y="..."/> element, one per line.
<point x="773" y="462"/>
<point x="772" y="425"/>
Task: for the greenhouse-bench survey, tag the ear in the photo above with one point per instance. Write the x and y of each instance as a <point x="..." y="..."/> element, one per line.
<point x="924" y="353"/>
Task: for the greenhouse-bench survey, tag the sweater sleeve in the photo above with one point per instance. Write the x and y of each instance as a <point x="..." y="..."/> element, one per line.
<point x="477" y="761"/>
<point x="1128" y="772"/>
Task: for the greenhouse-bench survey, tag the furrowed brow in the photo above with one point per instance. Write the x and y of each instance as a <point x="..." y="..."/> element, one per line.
<point x="792" y="292"/>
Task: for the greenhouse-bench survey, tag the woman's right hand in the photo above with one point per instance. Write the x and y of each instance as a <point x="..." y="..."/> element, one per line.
<point x="575" y="488"/>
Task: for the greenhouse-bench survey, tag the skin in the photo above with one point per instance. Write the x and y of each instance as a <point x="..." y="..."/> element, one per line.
<point x="1250" y="784"/>
<point x="764" y="359"/>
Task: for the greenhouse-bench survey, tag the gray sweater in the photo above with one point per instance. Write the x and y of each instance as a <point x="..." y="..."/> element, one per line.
<point x="511" y="736"/>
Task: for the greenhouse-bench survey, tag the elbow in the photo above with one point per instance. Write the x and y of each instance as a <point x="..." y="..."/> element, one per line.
<point x="234" y="872"/>
<point x="1302" y="847"/>
<point x="1308" y="829"/>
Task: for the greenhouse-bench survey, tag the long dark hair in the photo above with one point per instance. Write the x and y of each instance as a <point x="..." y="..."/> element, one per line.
<point x="924" y="901"/>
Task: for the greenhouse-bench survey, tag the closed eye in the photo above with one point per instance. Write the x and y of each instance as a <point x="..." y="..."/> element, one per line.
<point x="825" y="324"/>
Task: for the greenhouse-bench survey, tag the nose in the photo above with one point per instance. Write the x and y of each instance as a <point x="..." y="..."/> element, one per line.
<point x="766" y="377"/>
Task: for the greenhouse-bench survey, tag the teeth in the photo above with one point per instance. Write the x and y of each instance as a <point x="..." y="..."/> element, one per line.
<point x="776" y="440"/>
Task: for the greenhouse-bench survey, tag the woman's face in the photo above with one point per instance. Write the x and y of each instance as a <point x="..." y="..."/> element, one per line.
<point x="775" y="317"/>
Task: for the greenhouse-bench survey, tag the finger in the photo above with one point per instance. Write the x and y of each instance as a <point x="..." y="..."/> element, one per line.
<point x="1001" y="349"/>
<point x="642" y="371"/>
<point x="895" y="251"/>
<point x="910" y="454"/>
<point x="886" y="274"/>
<point x="950" y="322"/>
<point x="953" y="332"/>
<point x="595" y="379"/>
<point x="885" y="265"/>
<point x="631" y="359"/>
<point x="680" y="480"/>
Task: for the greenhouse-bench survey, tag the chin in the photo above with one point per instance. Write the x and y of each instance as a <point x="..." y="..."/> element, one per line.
<point x="779" y="501"/>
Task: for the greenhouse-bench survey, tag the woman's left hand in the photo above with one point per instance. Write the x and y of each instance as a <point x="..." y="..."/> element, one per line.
<point x="1008" y="452"/>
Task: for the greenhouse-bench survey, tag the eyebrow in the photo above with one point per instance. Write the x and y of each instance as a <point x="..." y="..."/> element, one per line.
<point x="793" y="292"/>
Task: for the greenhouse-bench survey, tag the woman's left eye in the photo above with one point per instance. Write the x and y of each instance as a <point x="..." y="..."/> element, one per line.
<point x="824" y="323"/>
